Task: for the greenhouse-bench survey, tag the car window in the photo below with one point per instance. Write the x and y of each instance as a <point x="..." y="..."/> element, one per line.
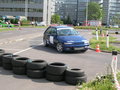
<point x="67" y="32"/>
<point x="51" y="31"/>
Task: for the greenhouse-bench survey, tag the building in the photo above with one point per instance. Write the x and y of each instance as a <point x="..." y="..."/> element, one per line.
<point x="111" y="9"/>
<point x="73" y="8"/>
<point x="38" y="10"/>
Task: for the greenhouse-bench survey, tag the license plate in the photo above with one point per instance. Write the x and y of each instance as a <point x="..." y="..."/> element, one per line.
<point x="80" y="48"/>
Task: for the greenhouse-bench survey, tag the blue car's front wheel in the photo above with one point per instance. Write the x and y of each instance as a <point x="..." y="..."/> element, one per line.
<point x="59" y="47"/>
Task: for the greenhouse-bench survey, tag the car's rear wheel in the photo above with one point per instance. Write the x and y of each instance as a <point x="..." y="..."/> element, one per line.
<point x="59" y="47"/>
<point x="45" y="43"/>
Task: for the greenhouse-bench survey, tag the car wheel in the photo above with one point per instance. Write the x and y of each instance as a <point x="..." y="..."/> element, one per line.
<point x="45" y="43"/>
<point x="59" y="47"/>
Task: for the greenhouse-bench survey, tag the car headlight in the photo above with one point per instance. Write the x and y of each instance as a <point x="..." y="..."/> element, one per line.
<point x="85" y="41"/>
<point x="68" y="43"/>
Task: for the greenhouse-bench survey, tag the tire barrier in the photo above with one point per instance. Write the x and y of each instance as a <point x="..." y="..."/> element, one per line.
<point x="7" y="61"/>
<point x="75" y="76"/>
<point x="55" y="71"/>
<point x="36" y="69"/>
<point x="2" y="56"/>
<point x="19" y="65"/>
<point x="1" y="52"/>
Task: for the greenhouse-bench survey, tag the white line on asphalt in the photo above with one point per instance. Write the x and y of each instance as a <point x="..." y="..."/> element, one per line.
<point x="26" y="49"/>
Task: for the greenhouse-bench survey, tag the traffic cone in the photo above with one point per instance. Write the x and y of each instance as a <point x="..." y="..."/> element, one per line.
<point x="98" y="48"/>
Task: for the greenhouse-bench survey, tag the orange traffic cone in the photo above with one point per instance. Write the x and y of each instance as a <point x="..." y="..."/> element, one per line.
<point x="98" y="48"/>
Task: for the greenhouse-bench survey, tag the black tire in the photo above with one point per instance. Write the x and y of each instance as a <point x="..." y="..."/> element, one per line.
<point x="9" y="58"/>
<point x="54" y="78"/>
<point x="59" y="47"/>
<point x="56" y="68"/>
<point x="36" y="73"/>
<point x="20" y="62"/>
<point x="75" y="80"/>
<point x="2" y="51"/>
<point x="116" y="33"/>
<point x="37" y="65"/>
<point x="74" y="72"/>
<point x="19" y="70"/>
<point x="45" y="43"/>
<point x="7" y="66"/>
<point x="2" y="55"/>
<point x="0" y="64"/>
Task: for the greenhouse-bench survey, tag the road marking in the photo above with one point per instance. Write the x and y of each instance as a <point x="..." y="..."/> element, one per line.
<point x="26" y="49"/>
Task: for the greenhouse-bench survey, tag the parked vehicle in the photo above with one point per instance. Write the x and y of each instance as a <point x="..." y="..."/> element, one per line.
<point x="64" y="38"/>
<point x="40" y="24"/>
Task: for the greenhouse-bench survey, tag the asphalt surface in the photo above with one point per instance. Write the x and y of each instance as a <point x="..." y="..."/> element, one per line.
<point x="30" y="40"/>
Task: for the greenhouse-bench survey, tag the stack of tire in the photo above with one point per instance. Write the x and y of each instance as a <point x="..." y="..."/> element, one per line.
<point x="75" y="76"/>
<point x="36" y="69"/>
<point x="19" y="65"/>
<point x="1" y="53"/>
<point x="55" y="71"/>
<point x="7" y="61"/>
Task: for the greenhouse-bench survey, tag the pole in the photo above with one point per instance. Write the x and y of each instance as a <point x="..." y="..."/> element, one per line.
<point x="97" y="37"/>
<point x="77" y="12"/>
<point x="107" y="42"/>
<point x="114" y="68"/>
<point x="26" y="8"/>
<point x="86" y="21"/>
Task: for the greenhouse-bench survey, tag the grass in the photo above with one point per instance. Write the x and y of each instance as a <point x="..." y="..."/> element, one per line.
<point x="6" y="29"/>
<point x="102" y="43"/>
<point x="101" y="83"/>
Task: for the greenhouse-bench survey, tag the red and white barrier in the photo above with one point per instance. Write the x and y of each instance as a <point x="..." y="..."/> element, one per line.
<point x="114" y="68"/>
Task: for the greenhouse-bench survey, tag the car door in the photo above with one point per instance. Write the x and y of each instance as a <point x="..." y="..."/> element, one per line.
<point x="50" y="35"/>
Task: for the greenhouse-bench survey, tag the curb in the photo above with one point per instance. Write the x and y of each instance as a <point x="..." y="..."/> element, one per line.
<point x="103" y="51"/>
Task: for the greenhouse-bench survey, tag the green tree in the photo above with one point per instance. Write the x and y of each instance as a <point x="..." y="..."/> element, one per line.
<point x="67" y="20"/>
<point x="115" y="19"/>
<point x="95" y="11"/>
<point x="56" y="19"/>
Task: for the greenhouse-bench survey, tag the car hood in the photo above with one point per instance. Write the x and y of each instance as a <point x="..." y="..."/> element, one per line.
<point x="77" y="38"/>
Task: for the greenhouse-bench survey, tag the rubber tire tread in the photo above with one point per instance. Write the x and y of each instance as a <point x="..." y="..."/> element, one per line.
<point x="54" y="78"/>
<point x="56" y="70"/>
<point x="36" y="66"/>
<point x="36" y="73"/>
<point x="7" y="66"/>
<point x="19" y="63"/>
<point x="74" y="73"/>
<point x="75" y="80"/>
<point x="19" y="70"/>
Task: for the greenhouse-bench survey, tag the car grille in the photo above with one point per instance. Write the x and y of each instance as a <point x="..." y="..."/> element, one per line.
<point x="78" y="43"/>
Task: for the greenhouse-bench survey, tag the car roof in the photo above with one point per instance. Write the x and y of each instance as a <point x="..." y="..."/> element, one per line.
<point x="60" y="27"/>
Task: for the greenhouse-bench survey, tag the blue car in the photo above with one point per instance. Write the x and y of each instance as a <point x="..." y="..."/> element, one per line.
<point x="64" y="38"/>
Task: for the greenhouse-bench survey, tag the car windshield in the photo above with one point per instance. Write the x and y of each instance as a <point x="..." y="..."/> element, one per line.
<point x="67" y="32"/>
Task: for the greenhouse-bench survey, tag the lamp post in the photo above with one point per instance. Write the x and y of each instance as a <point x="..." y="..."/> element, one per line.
<point x="86" y="13"/>
<point x="26" y="8"/>
<point x="77" y="12"/>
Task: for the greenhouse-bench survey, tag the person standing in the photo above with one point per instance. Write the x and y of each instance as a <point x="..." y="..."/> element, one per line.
<point x="19" y="25"/>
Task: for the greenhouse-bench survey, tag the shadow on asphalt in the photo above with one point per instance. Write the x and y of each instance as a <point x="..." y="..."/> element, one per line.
<point x="43" y="80"/>
<point x="54" y="51"/>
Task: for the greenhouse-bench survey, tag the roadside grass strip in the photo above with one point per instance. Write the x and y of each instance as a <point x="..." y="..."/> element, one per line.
<point x="7" y="29"/>
<point x="102" y="44"/>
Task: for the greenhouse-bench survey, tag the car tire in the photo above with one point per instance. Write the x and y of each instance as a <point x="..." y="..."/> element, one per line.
<point x="8" y="58"/>
<point x="116" y="33"/>
<point x="36" y="73"/>
<point x="75" y="72"/>
<point x="45" y="43"/>
<point x="2" y="55"/>
<point x="20" y="62"/>
<point x="54" y="78"/>
<point x="7" y="66"/>
<point x="19" y="70"/>
<point x="56" y="68"/>
<point x="75" y="80"/>
<point x="59" y="47"/>
<point x="37" y="65"/>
